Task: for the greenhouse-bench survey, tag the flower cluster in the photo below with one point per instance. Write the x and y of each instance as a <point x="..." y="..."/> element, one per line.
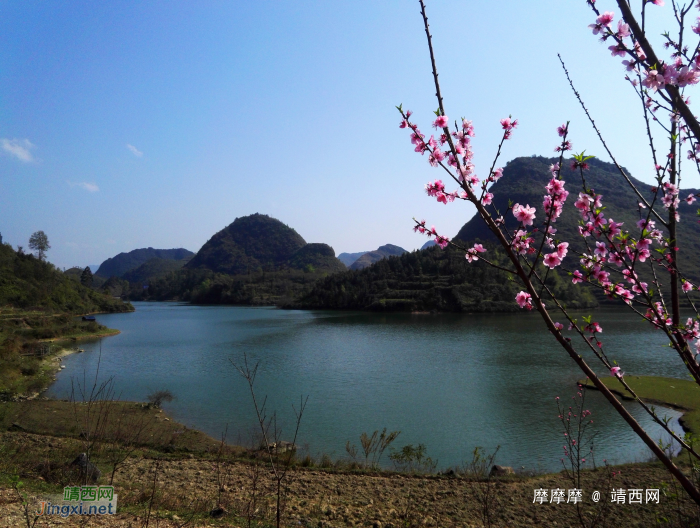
<point x="656" y="76"/>
<point x="524" y="300"/>
<point x="473" y="252"/>
<point x="432" y="232"/>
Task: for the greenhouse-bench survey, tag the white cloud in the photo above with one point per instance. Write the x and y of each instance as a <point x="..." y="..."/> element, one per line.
<point x="91" y="187"/>
<point x="135" y="151"/>
<point x="20" y="148"/>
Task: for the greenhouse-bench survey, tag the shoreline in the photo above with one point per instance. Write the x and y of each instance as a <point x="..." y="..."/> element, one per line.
<point x="648" y="389"/>
<point x="51" y="365"/>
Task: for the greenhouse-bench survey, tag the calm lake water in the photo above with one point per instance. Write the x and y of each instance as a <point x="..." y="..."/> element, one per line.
<point x="451" y="382"/>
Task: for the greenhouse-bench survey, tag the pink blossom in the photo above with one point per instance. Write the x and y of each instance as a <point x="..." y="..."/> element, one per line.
<point x="497" y="174"/>
<point x="618" y="50"/>
<point x="524" y="214"/>
<point x="442" y="241"/>
<point x="472" y="253"/>
<point x="605" y="19"/>
<point x="488" y="198"/>
<point x="524" y="300"/>
<point x="687" y="77"/>
<point x="696" y="27"/>
<point x="433" y="188"/>
<point x="601" y="249"/>
<point x="566" y="146"/>
<point x="562" y="250"/>
<point x="690" y="199"/>
<point x="507" y="124"/>
<point x="659" y="3"/>
<point x="687" y="286"/>
<point x="602" y="21"/>
<point x="441" y="122"/>
<point x="551" y="260"/>
<point x="578" y="277"/>
<point x="623" y="30"/>
<point x="562" y="130"/>
<point x="653" y="80"/>
<point x="558" y="326"/>
<point x="615" y="371"/>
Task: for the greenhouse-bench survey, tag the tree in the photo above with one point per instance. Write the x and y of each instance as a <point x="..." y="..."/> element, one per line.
<point x="39" y="242"/>
<point x="618" y="259"/>
<point x="86" y="277"/>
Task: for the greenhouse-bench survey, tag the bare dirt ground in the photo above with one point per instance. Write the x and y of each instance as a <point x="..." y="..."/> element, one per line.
<point x="183" y="489"/>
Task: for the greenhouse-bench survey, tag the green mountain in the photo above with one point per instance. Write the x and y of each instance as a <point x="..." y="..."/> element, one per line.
<point x="257" y="260"/>
<point x="117" y="266"/>
<point x="260" y="243"/>
<point x="153" y="268"/>
<point x="313" y="257"/>
<point x="524" y="180"/>
<point x="433" y="279"/>
<point x="369" y="258"/>
<point x="427" y="280"/>
<point x="28" y="283"/>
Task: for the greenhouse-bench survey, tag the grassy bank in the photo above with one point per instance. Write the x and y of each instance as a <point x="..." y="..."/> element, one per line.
<point x="679" y="394"/>
<point x="30" y="343"/>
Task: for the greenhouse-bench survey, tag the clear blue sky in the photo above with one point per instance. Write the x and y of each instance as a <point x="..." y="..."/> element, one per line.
<point x="136" y="124"/>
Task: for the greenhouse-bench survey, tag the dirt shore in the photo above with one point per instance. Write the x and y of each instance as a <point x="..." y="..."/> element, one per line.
<point x="188" y="487"/>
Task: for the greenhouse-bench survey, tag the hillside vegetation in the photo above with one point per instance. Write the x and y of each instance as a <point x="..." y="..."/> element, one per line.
<point x="39" y="303"/>
<point x="31" y="284"/>
<point x="120" y="264"/>
<point x="431" y="279"/>
<point x="248" y="244"/>
<point x="256" y="260"/>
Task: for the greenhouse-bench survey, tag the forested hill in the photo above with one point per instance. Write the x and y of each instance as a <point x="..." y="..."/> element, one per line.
<point x="259" y="242"/>
<point x="28" y="283"/>
<point x="431" y="279"/>
<point x="524" y="180"/>
<point x="256" y="260"/>
<point x="120" y="264"/>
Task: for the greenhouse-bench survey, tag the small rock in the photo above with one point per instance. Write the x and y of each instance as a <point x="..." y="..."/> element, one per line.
<point x="87" y="468"/>
<point x="500" y="471"/>
<point x="217" y="513"/>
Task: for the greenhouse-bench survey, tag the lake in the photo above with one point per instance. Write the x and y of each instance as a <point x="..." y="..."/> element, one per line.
<point x="449" y="381"/>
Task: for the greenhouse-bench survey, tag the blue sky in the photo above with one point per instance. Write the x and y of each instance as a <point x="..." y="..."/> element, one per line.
<point x="136" y="124"/>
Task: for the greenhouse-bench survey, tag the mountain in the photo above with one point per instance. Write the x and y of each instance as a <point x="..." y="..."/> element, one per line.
<point x="152" y="268"/>
<point x="369" y="258"/>
<point x="349" y="258"/>
<point x="429" y="243"/>
<point x="524" y="180"/>
<point x="261" y="243"/>
<point x="117" y="266"/>
<point x="256" y="260"/>
<point x="248" y="244"/>
<point x="29" y="283"/>
<point x="316" y="256"/>
<point x="431" y="280"/>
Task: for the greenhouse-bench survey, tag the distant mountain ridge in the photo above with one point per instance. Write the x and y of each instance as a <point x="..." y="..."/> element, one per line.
<point x="118" y="265"/>
<point x="349" y="258"/>
<point x="382" y="252"/>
